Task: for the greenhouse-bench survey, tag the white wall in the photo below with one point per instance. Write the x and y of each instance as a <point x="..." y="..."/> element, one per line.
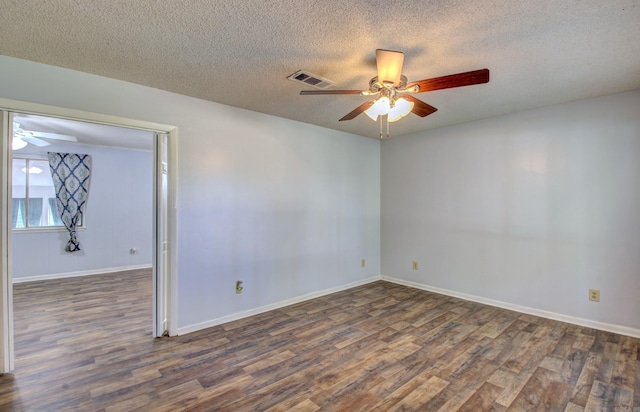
<point x="287" y="207"/>
<point x="530" y="209"/>
<point x="118" y="217"/>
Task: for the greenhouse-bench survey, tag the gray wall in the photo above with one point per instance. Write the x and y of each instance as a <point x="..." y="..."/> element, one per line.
<point x="531" y="209"/>
<point x="287" y="207"/>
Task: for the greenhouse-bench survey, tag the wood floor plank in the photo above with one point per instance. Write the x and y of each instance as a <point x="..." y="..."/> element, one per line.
<point x="607" y="361"/>
<point x="604" y="397"/>
<point x="557" y="396"/>
<point x="421" y="395"/>
<point x="482" y="399"/>
<point x="582" y="388"/>
<point x="299" y="403"/>
<point x="85" y="344"/>
<point x="531" y="396"/>
<point x="407" y="386"/>
<point x="572" y="407"/>
<point x="636" y="391"/>
<point x="623" y="373"/>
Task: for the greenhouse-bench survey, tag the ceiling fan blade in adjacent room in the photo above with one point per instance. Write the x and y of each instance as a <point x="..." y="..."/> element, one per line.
<point x="420" y="108"/>
<point x="309" y="92"/>
<point x="56" y="136"/>
<point x="452" y="80"/>
<point x="34" y="141"/>
<point x="360" y="109"/>
<point x="389" y="65"/>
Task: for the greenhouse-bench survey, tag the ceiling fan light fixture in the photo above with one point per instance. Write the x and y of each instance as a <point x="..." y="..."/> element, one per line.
<point x="389" y="64"/>
<point x="18" y="143"/>
<point x="402" y="108"/>
<point x="32" y="170"/>
<point x="380" y="108"/>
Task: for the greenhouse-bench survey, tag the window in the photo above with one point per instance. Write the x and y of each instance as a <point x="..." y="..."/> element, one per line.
<point x="34" y="197"/>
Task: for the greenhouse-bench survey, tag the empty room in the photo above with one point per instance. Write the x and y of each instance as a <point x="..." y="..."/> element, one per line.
<point x="348" y="206"/>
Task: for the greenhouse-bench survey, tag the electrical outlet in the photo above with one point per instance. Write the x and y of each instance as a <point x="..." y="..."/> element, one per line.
<point x="594" y="295"/>
<point x="363" y="263"/>
<point x="239" y="286"/>
<point x="415" y="265"/>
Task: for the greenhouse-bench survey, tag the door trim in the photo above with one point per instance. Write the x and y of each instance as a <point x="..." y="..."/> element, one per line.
<point x="160" y="226"/>
<point x="6" y="286"/>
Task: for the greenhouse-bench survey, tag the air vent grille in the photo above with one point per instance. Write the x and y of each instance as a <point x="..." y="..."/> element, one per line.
<point x="311" y="79"/>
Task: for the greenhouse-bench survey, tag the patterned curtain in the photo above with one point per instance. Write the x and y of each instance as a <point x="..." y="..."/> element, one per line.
<point x="55" y="214"/>
<point x="70" y="173"/>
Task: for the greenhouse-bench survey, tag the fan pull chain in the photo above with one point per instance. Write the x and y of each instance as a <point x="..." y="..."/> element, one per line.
<point x="387" y="120"/>
<point x="384" y="118"/>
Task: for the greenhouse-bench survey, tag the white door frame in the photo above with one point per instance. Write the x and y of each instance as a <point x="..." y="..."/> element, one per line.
<point x="160" y="232"/>
<point x="169" y="285"/>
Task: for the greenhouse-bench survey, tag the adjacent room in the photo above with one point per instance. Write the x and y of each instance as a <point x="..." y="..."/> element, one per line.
<point x="118" y="234"/>
<point x="365" y="206"/>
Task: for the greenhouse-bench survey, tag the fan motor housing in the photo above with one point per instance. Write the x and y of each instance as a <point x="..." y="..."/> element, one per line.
<point x="375" y="85"/>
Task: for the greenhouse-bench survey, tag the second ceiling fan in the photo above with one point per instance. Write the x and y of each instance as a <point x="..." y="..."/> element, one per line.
<point x="392" y="94"/>
<point x="22" y="136"/>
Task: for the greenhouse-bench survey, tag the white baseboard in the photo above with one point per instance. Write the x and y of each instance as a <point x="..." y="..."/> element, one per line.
<point x="245" y="314"/>
<point x="79" y="273"/>
<point x="608" y="327"/>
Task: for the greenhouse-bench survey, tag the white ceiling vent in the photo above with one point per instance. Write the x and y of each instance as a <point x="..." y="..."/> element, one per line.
<point x="311" y="79"/>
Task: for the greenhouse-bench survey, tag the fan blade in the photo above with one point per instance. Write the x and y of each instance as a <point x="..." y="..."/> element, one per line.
<point x="419" y="107"/>
<point x="55" y="136"/>
<point x="34" y="141"/>
<point x="389" y="64"/>
<point x="360" y="109"/>
<point x="308" y="92"/>
<point x="452" y="80"/>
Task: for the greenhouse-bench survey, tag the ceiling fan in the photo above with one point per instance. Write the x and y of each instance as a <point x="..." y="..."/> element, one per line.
<point x="21" y="137"/>
<point x="392" y="94"/>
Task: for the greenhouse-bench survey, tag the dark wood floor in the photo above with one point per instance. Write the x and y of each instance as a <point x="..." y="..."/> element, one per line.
<point x="85" y="344"/>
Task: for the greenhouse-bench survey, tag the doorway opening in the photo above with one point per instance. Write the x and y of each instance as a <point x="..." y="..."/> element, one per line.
<point x="125" y="227"/>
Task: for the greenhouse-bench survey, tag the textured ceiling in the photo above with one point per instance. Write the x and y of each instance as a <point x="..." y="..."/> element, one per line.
<point x="240" y="52"/>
